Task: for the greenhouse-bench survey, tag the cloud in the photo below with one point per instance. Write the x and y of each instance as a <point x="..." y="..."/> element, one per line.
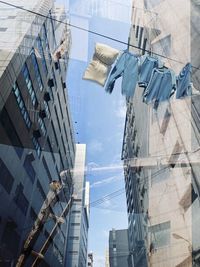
<point x="120" y="109"/>
<point x="95" y="146"/>
<point x="107" y="180"/>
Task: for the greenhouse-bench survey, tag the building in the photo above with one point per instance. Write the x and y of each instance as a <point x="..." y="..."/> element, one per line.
<point x="79" y="215"/>
<point x="36" y="133"/>
<point x="118" y="248"/>
<point x="163" y="199"/>
<point x="90" y="259"/>
<point x="107" y="264"/>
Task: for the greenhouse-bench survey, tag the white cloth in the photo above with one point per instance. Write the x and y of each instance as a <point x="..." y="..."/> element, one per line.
<point x="100" y="66"/>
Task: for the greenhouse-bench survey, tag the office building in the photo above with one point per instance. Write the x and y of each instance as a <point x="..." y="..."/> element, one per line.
<point x="36" y="134"/>
<point x="79" y="215"/>
<point x="163" y="196"/>
<point x="118" y="248"/>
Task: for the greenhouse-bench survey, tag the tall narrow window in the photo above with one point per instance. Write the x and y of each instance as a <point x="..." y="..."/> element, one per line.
<point x="37" y="71"/>
<point x="29" y="85"/>
<point x="21" y="105"/>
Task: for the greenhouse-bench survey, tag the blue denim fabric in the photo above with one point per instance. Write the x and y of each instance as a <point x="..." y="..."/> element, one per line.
<point x="160" y="87"/>
<point x="184" y="82"/>
<point x="147" y="64"/>
<point x="127" y="67"/>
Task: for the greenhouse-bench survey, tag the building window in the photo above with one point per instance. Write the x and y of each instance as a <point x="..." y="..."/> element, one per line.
<point x="29" y="169"/>
<point x="51" y="149"/>
<point x="140" y="36"/>
<point x="63" y="145"/>
<point x="10" y="239"/>
<point x="42" y="126"/>
<point x="2" y="29"/>
<point x="54" y="78"/>
<point x="57" y="118"/>
<point x="60" y="106"/>
<point x="22" y="106"/>
<point x="41" y="51"/>
<point x="163" y="46"/>
<point x="74" y="252"/>
<point x="75" y="224"/>
<point x="54" y="132"/>
<point x="11" y="132"/>
<point x="29" y="85"/>
<point x="61" y="160"/>
<point x="74" y="238"/>
<point x="33" y="214"/>
<point x="47" y="169"/>
<point x="160" y="235"/>
<point x="41" y="191"/>
<point x="37" y="146"/>
<point x="20" y="199"/>
<point x="76" y="211"/>
<point x="144" y="46"/>
<point x="6" y="179"/>
<point x="46" y="107"/>
<point x="37" y="71"/>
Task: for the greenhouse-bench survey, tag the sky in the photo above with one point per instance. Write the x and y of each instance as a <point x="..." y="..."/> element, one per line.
<point x="99" y="121"/>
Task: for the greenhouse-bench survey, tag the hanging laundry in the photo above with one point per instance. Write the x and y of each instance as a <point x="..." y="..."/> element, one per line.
<point x="184" y="85"/>
<point x="161" y="86"/>
<point x="127" y="67"/>
<point x="147" y="64"/>
<point x="100" y="66"/>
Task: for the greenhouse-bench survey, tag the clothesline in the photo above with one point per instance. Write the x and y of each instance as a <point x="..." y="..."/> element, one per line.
<point x="148" y="72"/>
<point x="95" y="33"/>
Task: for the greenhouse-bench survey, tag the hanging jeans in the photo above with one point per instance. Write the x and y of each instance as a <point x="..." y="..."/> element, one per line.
<point x="147" y="64"/>
<point x="127" y="67"/>
<point x="184" y="87"/>
<point x="160" y="87"/>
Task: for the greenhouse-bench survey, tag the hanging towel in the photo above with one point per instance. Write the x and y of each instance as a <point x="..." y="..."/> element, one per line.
<point x="127" y="67"/>
<point x="184" y="85"/>
<point x="100" y="66"/>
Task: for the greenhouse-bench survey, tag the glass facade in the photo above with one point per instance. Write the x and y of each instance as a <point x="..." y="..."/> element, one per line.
<point x="22" y="106"/>
<point x="29" y="85"/>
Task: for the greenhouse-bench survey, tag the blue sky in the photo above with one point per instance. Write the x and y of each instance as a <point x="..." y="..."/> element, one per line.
<point x="99" y="122"/>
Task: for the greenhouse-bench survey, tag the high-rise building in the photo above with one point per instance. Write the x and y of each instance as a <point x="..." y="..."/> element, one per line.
<point x="79" y="215"/>
<point x="36" y="133"/>
<point x="160" y="146"/>
<point x="118" y="248"/>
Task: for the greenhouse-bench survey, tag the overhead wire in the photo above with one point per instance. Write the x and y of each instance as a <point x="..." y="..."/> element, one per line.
<point x="94" y="32"/>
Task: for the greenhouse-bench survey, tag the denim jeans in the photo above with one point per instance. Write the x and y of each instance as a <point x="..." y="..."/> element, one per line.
<point x="184" y="82"/>
<point x="127" y="67"/>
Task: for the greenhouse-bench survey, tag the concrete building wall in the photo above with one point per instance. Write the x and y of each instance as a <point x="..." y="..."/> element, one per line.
<point x="169" y="198"/>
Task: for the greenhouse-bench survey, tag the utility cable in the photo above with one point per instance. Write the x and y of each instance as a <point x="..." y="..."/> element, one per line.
<point x="95" y="33"/>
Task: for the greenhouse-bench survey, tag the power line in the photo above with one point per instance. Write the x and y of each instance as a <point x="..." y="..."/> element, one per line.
<point x="120" y="191"/>
<point x="95" y="33"/>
